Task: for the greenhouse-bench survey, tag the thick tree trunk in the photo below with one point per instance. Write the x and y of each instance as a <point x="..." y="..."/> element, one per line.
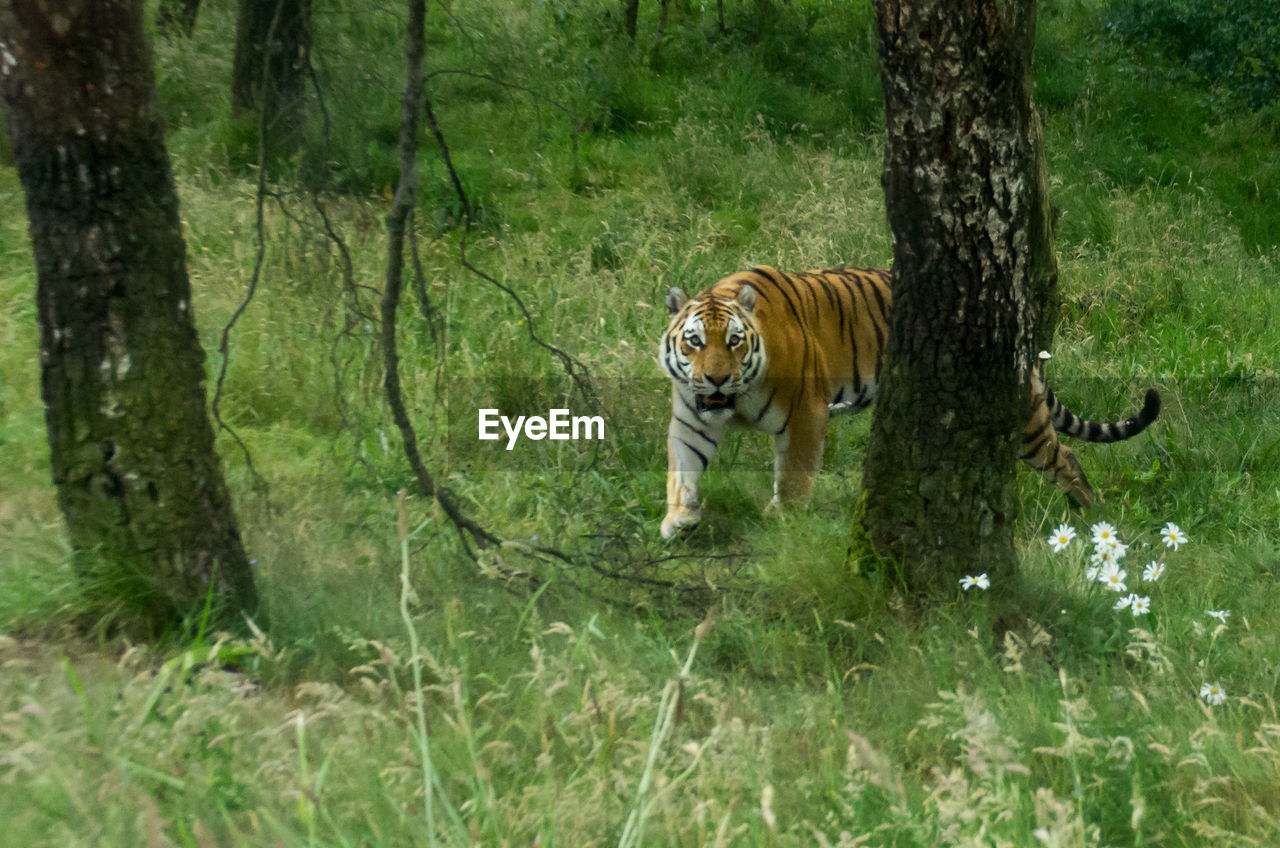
<point x="122" y="370"/>
<point x="967" y="204"/>
<point x="273" y="38"/>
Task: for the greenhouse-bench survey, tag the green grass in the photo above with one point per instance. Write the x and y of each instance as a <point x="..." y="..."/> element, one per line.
<point x="822" y="707"/>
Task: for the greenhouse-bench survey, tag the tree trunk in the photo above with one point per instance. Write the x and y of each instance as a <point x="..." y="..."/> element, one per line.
<point x="663" y="8"/>
<point x="273" y="38"/>
<point x="176" y="17"/>
<point x="1043" y="258"/>
<point x="630" y="16"/>
<point x="967" y="205"/>
<point x="122" y="370"/>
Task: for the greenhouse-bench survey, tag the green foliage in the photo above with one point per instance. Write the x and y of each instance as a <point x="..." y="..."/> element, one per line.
<point x="821" y="705"/>
<point x="1129" y="118"/>
<point x="1236" y="42"/>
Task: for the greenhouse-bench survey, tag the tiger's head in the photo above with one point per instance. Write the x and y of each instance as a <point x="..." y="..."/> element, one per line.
<point x="713" y="347"/>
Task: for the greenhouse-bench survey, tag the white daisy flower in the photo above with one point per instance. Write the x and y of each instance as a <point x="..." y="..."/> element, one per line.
<point x="1173" y="536"/>
<point x="1112" y="577"/>
<point x="1140" y="604"/>
<point x="1102" y="532"/>
<point x="1104" y="557"/>
<point x="981" y="581"/>
<point x="1061" y="537"/>
<point x="1221" y="615"/>
<point x="1152" y="572"/>
<point x="1114" y="546"/>
<point x="1213" y="693"/>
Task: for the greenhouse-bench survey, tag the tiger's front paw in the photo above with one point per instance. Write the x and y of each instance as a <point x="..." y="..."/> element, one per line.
<point x="679" y="518"/>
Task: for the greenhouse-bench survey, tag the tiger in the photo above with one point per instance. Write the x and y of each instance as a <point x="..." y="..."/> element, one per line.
<point x="784" y="352"/>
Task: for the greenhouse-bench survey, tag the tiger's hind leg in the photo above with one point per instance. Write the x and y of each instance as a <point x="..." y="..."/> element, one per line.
<point x="798" y="455"/>
<point x="1042" y="450"/>
<point x="1057" y="463"/>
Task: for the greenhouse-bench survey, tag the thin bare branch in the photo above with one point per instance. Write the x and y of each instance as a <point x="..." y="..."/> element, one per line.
<point x="401" y="209"/>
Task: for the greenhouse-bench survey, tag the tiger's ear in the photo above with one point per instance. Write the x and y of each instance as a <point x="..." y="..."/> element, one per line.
<point x="676" y="299"/>
<point x="747" y="298"/>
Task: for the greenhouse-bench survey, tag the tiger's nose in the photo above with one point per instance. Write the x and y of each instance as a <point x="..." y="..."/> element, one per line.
<point x="717" y="382"/>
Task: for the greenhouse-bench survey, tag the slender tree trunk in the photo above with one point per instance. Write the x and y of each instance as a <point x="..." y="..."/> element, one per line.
<point x="630" y="16"/>
<point x="413" y="106"/>
<point x="122" y="370"/>
<point x="273" y="39"/>
<point x="663" y="8"/>
<point x="177" y="17"/>
<point x="967" y="204"/>
<point x="397" y="224"/>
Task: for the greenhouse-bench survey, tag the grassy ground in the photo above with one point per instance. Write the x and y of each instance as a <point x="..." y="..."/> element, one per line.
<point x="817" y="708"/>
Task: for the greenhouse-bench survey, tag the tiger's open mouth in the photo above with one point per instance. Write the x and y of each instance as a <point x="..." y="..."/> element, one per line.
<point x="711" y="402"/>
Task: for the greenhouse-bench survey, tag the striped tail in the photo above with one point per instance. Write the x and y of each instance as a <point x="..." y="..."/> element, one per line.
<point x="1067" y="422"/>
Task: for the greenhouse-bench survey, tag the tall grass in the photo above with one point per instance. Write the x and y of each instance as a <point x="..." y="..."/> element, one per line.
<point x="559" y="703"/>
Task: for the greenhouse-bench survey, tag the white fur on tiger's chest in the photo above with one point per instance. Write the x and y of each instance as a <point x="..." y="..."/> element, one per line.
<point x="756" y="410"/>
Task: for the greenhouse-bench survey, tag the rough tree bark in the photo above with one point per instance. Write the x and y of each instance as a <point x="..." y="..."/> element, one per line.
<point x="273" y="38"/>
<point x="122" y="370"/>
<point x="974" y="274"/>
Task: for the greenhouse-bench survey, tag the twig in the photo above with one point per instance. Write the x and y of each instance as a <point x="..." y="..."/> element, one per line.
<point x="260" y="254"/>
<point x="576" y="371"/>
<point x="401" y="206"/>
